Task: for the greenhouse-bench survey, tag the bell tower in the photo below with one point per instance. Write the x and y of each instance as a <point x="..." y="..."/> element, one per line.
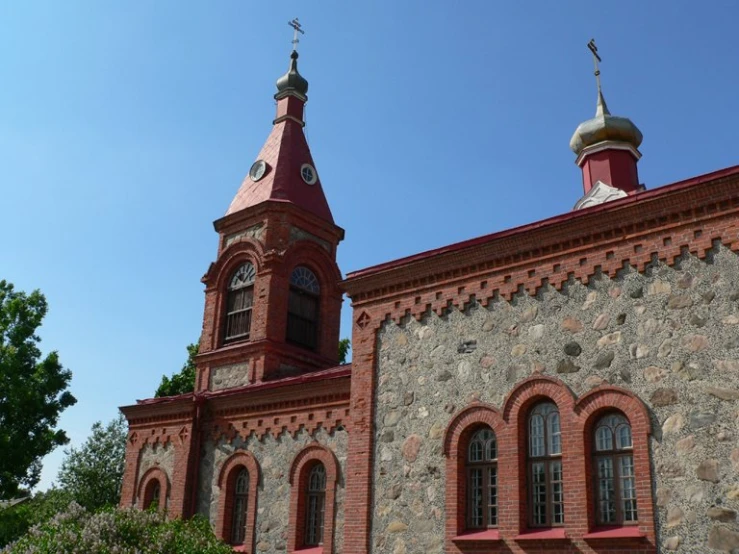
<point x="272" y="300"/>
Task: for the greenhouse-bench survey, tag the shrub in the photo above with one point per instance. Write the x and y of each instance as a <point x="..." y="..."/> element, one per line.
<point x="118" y="531"/>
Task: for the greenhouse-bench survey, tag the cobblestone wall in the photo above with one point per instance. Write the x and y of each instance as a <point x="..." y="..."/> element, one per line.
<point x="671" y="335"/>
<point x="275" y="456"/>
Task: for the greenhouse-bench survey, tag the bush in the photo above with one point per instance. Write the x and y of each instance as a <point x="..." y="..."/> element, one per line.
<point x="118" y="531"/>
<point x="16" y="520"/>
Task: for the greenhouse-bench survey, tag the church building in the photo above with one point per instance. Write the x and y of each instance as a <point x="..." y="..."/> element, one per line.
<point x="568" y="386"/>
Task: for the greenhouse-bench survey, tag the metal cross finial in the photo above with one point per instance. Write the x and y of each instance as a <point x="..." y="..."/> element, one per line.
<point x="295" y="24"/>
<point x="596" y="58"/>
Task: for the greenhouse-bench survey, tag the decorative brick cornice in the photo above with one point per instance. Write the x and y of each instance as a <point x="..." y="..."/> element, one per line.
<point x="284" y="417"/>
<point x="634" y="231"/>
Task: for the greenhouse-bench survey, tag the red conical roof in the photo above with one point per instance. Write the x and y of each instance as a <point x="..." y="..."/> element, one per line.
<point x="286" y="152"/>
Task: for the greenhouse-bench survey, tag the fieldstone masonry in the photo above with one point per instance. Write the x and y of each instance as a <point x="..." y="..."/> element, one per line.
<point x="275" y="456"/>
<point x="670" y="335"/>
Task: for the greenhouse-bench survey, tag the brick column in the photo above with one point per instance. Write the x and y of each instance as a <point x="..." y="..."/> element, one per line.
<point x="358" y="504"/>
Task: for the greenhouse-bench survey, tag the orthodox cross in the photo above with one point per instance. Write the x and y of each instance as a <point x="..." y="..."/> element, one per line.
<point x="295" y="24"/>
<point x="596" y="58"/>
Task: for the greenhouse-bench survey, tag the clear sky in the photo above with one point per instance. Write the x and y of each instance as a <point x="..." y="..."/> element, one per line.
<point x="127" y="127"/>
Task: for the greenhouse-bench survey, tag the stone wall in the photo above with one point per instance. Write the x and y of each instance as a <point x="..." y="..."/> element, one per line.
<point x="275" y="456"/>
<point x="156" y="455"/>
<point x="228" y="376"/>
<point x="670" y="335"/>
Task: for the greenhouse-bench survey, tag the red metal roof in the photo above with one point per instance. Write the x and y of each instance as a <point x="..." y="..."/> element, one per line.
<point x="638" y="197"/>
<point x="322" y="375"/>
<point x="285" y="151"/>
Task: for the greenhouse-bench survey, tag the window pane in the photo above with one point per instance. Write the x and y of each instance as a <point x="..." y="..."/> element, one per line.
<point x="476" y="495"/>
<point x="624" y="436"/>
<point x="606" y="492"/>
<point x="303" y="278"/>
<point x="555" y="435"/>
<point x="628" y="488"/>
<point x="536" y="436"/>
<point x="603" y="438"/>
<point x="557" y="494"/>
<point x="539" y="496"/>
<point x="493" y="495"/>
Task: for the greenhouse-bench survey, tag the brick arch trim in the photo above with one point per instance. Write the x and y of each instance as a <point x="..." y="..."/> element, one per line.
<point x="455" y="451"/>
<point x="533" y="388"/>
<point x="242" y="251"/>
<point x="153" y="474"/>
<point x="302" y="463"/>
<point x="226" y="477"/>
<point x="475" y="414"/>
<point x="590" y="408"/>
<point x="608" y="397"/>
<point x="315" y="258"/>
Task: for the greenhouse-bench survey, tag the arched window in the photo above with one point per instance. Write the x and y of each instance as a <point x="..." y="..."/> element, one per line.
<point x="315" y="502"/>
<point x="239" y="506"/>
<point x="239" y="301"/>
<point x="615" y="484"/>
<point x="482" y="480"/>
<point x="303" y="308"/>
<point x="153" y="492"/>
<point x="546" y="500"/>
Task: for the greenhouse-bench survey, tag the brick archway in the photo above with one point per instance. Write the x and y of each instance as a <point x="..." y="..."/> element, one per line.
<point x="152" y="477"/>
<point x="302" y="464"/>
<point x="226" y="481"/>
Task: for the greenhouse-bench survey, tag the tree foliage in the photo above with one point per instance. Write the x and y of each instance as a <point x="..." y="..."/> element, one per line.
<point x="123" y="531"/>
<point x="92" y="474"/>
<point x="182" y="382"/>
<point x="344" y="347"/>
<point x="32" y="391"/>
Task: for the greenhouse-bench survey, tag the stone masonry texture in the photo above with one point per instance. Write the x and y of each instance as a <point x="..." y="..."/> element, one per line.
<point x="275" y="456"/>
<point x="670" y="335"/>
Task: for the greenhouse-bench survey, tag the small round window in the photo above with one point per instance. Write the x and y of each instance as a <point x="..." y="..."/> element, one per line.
<point x="308" y="173"/>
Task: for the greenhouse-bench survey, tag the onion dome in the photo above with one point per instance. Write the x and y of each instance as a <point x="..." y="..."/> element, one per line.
<point x="604" y="127"/>
<point x="292" y="81"/>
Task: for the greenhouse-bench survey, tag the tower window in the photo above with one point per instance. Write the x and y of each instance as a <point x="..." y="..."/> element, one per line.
<point x="614" y="471"/>
<point x="545" y="466"/>
<point x="482" y="480"/>
<point x="315" y="505"/>
<point x="239" y="301"/>
<point x="303" y="308"/>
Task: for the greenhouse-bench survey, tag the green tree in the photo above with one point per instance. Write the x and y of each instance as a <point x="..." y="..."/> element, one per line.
<point x="92" y="474"/>
<point x="344" y="347"/>
<point x="32" y="391"/>
<point x="182" y="382"/>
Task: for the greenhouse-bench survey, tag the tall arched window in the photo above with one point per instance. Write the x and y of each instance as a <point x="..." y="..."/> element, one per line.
<point x="303" y="308"/>
<point x="315" y="502"/>
<point x="614" y="471"/>
<point x="239" y="506"/>
<point x="546" y="498"/>
<point x="239" y="301"/>
<point x="482" y="480"/>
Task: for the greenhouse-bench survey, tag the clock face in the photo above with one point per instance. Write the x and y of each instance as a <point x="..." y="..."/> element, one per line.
<point x="308" y="173"/>
<point x="258" y="169"/>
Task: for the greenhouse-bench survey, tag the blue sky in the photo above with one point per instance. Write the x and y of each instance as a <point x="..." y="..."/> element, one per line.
<point x="126" y="129"/>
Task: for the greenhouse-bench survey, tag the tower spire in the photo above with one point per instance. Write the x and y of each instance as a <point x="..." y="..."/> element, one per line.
<point x="606" y="147"/>
<point x="602" y="108"/>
